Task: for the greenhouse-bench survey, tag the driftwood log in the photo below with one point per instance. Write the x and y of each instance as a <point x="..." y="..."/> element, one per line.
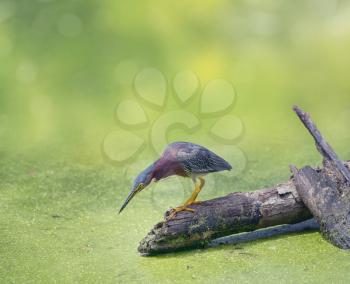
<point x="326" y="191"/>
<point x="309" y="193"/>
<point x="235" y="213"/>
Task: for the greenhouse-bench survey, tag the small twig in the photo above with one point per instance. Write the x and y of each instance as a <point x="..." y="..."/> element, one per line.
<point x="308" y="225"/>
<point x="324" y="148"/>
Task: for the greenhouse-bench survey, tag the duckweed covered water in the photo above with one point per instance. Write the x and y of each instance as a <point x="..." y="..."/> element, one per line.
<point x="59" y="224"/>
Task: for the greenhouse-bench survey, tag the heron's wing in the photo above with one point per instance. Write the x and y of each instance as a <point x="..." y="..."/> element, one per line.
<point x="197" y="159"/>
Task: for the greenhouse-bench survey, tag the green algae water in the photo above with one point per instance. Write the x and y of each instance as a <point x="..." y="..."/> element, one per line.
<point x="59" y="224"/>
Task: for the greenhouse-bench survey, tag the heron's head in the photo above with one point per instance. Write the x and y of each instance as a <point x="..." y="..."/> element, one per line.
<point x="141" y="182"/>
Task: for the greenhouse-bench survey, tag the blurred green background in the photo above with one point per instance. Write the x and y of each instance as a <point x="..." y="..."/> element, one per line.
<point x="64" y="68"/>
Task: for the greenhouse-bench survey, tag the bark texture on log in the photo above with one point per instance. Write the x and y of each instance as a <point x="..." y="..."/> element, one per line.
<point x="322" y="145"/>
<point x="329" y="201"/>
<point x="234" y="213"/>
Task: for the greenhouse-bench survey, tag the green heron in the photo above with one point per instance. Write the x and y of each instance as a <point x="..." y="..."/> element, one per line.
<point x="182" y="159"/>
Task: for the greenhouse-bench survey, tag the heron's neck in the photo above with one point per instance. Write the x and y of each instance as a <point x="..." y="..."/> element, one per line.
<point x="164" y="168"/>
<point x="149" y="169"/>
<point x="158" y="168"/>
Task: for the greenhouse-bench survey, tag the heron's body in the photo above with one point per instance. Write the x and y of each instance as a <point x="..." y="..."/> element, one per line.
<point x="187" y="160"/>
<point x="182" y="159"/>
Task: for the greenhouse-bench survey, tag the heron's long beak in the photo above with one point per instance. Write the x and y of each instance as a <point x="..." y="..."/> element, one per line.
<point x="130" y="196"/>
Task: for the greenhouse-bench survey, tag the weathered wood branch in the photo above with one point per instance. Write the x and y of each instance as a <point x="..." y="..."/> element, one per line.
<point x="235" y="213"/>
<point x="324" y="191"/>
<point x="322" y="145"/>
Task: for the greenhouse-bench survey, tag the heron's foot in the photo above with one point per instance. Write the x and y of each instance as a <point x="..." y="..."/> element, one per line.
<point x="179" y="209"/>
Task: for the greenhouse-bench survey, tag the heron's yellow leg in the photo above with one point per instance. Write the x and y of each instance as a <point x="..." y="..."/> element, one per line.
<point x="191" y="200"/>
<point x="197" y="189"/>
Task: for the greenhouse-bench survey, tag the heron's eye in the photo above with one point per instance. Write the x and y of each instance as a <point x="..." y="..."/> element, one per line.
<point x="141" y="186"/>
